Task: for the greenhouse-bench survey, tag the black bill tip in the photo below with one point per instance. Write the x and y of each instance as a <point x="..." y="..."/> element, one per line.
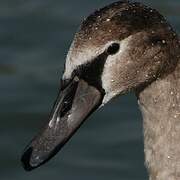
<point x="25" y="159"/>
<point x="32" y="158"/>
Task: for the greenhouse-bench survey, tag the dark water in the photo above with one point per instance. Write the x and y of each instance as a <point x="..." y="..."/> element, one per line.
<point x="34" y="38"/>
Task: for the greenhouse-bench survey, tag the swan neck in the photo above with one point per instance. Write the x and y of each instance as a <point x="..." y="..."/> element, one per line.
<point x="160" y="107"/>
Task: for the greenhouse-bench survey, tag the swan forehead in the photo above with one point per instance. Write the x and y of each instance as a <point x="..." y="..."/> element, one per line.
<point x="79" y="56"/>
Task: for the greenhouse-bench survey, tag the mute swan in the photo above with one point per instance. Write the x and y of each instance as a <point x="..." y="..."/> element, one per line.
<point x="123" y="47"/>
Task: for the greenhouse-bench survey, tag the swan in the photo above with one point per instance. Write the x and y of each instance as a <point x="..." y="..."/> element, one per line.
<point x="125" y="46"/>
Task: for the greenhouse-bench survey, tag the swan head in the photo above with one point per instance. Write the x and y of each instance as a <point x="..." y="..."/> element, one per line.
<point x="134" y="43"/>
<point x="120" y="48"/>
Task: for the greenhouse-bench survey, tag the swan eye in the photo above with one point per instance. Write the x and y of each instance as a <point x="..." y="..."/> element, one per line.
<point x="113" y="49"/>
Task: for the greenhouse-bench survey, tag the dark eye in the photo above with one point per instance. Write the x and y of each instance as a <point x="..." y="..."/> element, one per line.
<point x="113" y="48"/>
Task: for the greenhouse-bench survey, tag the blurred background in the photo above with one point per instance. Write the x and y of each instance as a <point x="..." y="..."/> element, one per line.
<point x="34" y="38"/>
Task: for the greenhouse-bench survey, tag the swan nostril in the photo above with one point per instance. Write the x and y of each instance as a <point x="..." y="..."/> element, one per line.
<point x="113" y="48"/>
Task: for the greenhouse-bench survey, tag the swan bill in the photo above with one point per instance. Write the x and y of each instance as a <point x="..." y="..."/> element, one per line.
<point x="74" y="104"/>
